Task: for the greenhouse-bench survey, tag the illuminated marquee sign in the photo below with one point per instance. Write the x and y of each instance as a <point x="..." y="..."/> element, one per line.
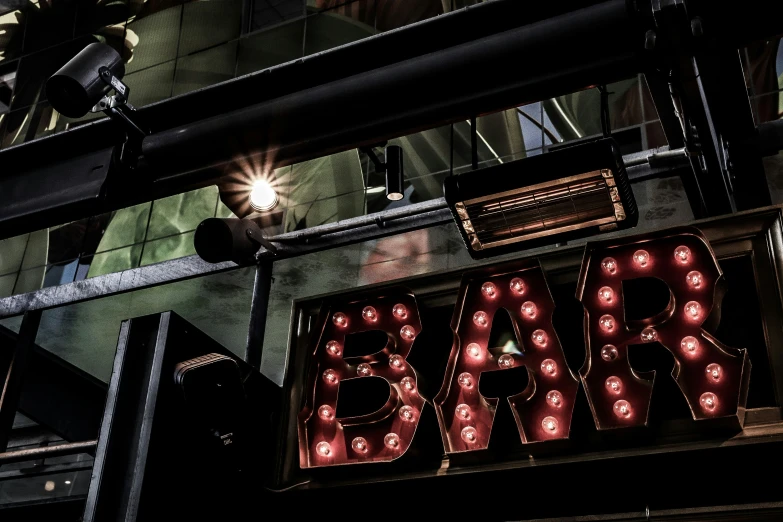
<point x="712" y="377"/>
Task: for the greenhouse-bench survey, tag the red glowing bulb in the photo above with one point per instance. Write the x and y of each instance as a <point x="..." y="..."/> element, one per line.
<point x="489" y="290"/>
<point x="554" y="398"/>
<point x="714" y="372"/>
<point x="682" y="254"/>
<point x="409" y="384"/>
<point x="330" y="377"/>
<point x="694" y="279"/>
<point x="363" y="370"/>
<point x="324" y="449"/>
<point x="529" y="309"/>
<point x="505" y="361"/>
<point x="641" y="258"/>
<point x="609" y="352"/>
<point x="549" y="424"/>
<point x="539" y="337"/>
<point x="465" y="380"/>
<point x="622" y="409"/>
<point x="407" y="332"/>
<point x="649" y="335"/>
<point x="397" y="362"/>
<point x="334" y="348"/>
<point x="463" y="411"/>
<point x="609" y="265"/>
<point x="392" y="441"/>
<point x="480" y="319"/>
<point x="359" y="445"/>
<point x="408" y="413"/>
<point x="614" y="385"/>
<point x="370" y="314"/>
<point x="606" y="294"/>
<point x="708" y="401"/>
<point x="692" y="310"/>
<point x="399" y="311"/>
<point x="607" y="323"/>
<point x="517" y="286"/>
<point x="469" y="434"/>
<point x="326" y="412"/>
<point x="340" y="319"/>
<point x="474" y="350"/>
<point x="549" y="367"/>
<point x="689" y="344"/>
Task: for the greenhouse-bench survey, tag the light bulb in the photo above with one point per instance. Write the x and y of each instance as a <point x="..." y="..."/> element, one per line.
<point x="334" y="348"/>
<point x="607" y="323"/>
<point x="397" y="362"/>
<point x="689" y="344"/>
<point x="641" y="258"/>
<point x="609" y="352"/>
<point x="606" y="294"/>
<point x="682" y="254"/>
<point x="549" y="367"/>
<point x="340" y="319"/>
<point x="359" y="445"/>
<point x="391" y="441"/>
<point x="554" y="399"/>
<point x="474" y="350"/>
<point x="694" y="279"/>
<point x="517" y="286"/>
<point x="407" y="332"/>
<point x="263" y="197"/>
<point x="505" y="361"/>
<point x="529" y="309"/>
<point x="539" y="337"/>
<point x="408" y="383"/>
<point x="370" y="314"/>
<point x="330" y="376"/>
<point x="622" y="409"/>
<point x="469" y="434"/>
<point x="324" y="449"/>
<point x="408" y="413"/>
<point x="649" y="335"/>
<point x="463" y="411"/>
<point x="714" y="372"/>
<point x="708" y="401"/>
<point x="692" y="310"/>
<point x="489" y="290"/>
<point x="465" y="380"/>
<point x="399" y="311"/>
<point x="549" y="424"/>
<point x="326" y="412"/>
<point x="363" y="370"/>
<point x="480" y="319"/>
<point x="614" y="385"/>
<point x="609" y="265"/>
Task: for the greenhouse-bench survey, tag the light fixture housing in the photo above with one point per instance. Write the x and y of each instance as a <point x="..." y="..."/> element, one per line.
<point x="574" y="192"/>
<point x="394" y="173"/>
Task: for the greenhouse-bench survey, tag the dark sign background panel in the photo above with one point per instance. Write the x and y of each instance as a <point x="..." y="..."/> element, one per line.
<point x="672" y="463"/>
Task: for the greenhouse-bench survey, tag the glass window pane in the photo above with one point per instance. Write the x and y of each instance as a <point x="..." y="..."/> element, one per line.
<point x="155" y="38"/>
<point x="168" y="248"/>
<point x="128" y="226"/>
<point x="207" y="23"/>
<point x="112" y="261"/>
<point x="151" y="85"/>
<point x="182" y="212"/>
<point x="334" y="28"/>
<point x="205" y="68"/>
<point x="266" y="13"/>
<point x="271" y="47"/>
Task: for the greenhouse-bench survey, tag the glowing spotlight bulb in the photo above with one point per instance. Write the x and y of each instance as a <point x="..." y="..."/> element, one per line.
<point x="682" y="254"/>
<point x="408" y="413"/>
<point x="399" y="311"/>
<point x="340" y="319"/>
<point x="692" y="310"/>
<point x="409" y="384"/>
<point x="549" y="424"/>
<point x="359" y="445"/>
<point x="489" y="290"/>
<point x="609" y="265"/>
<point x="465" y="380"/>
<point x="714" y="372"/>
<point x="363" y="370"/>
<point x="330" y="376"/>
<point x="463" y="411"/>
<point x="694" y="279"/>
<point x="407" y="332"/>
<point x="549" y="367"/>
<point x="609" y="352"/>
<point x="622" y="409"/>
<point x="469" y="434"/>
<point x="554" y="399"/>
<point x="607" y="323"/>
<point x="606" y="294"/>
<point x="474" y="350"/>
<point x="326" y="412"/>
<point x="334" y="348"/>
<point x="392" y="441"/>
<point x="689" y="344"/>
<point x="505" y="361"/>
<point x="529" y="309"/>
<point x="397" y="362"/>
<point x="480" y="319"/>
<point x="641" y="258"/>
<point x="539" y="337"/>
<point x="614" y="385"/>
<point x="263" y="197"/>
<point x="324" y="449"/>
<point x="649" y="335"/>
<point x="708" y="401"/>
<point x="370" y="314"/>
<point x="517" y="286"/>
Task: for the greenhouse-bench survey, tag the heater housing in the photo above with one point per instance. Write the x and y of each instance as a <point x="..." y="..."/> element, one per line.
<point x="574" y="192"/>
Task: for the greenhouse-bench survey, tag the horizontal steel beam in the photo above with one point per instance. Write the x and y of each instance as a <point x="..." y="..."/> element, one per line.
<point x="45" y="452"/>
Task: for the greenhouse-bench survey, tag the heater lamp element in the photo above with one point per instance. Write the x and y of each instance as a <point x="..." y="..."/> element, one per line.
<point x="573" y="192"/>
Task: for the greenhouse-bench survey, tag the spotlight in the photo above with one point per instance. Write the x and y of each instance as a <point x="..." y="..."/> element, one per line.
<point x="229" y="239"/>
<point x="263" y="197"/>
<point x="574" y="192"/>
<point x="393" y="169"/>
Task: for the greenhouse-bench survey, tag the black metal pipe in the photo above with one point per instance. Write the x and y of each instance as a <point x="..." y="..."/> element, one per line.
<point x="46" y="452"/>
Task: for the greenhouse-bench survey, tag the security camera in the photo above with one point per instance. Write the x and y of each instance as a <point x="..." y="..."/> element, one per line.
<point x="229" y="239"/>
